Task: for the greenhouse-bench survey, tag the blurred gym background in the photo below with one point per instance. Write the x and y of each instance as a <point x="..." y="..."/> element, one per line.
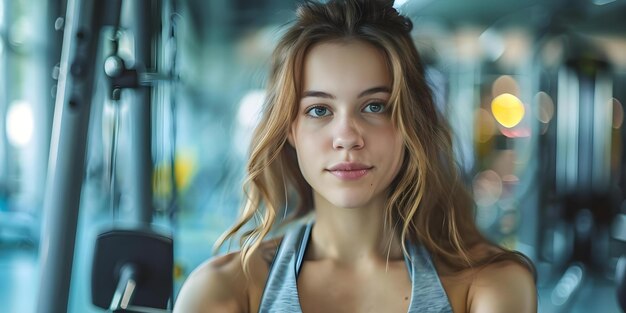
<point x="533" y="90"/>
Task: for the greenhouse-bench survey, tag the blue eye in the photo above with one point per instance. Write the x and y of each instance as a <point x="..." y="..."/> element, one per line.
<point x="374" y="107"/>
<point x="317" y="112"/>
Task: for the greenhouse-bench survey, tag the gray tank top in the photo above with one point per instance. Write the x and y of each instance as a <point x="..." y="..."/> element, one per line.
<point x="281" y="290"/>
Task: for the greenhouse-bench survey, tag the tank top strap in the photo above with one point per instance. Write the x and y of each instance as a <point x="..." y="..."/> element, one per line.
<point x="302" y="243"/>
<point x="427" y="292"/>
<point x="280" y="291"/>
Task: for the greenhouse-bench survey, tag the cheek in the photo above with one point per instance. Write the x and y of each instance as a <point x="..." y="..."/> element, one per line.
<point x="311" y="137"/>
<point x="394" y="152"/>
<point x="307" y="147"/>
<point x="399" y="154"/>
<point x="391" y="139"/>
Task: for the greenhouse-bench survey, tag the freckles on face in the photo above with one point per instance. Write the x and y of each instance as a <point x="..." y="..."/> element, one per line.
<point x="347" y="147"/>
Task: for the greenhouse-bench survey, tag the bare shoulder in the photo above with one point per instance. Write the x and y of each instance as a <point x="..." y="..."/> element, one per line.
<point x="505" y="286"/>
<point x="220" y="285"/>
<point x="214" y="287"/>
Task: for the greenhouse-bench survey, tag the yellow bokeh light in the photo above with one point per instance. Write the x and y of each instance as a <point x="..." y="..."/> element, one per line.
<point x="184" y="171"/>
<point x="507" y="109"/>
<point x="485" y="126"/>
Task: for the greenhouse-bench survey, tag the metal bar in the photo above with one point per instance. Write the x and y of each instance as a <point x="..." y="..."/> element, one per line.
<point x="125" y="288"/>
<point x="140" y="178"/>
<point x="67" y="150"/>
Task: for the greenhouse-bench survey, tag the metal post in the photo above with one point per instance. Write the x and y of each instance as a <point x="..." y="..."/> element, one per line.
<point x="140" y="177"/>
<point x="67" y="150"/>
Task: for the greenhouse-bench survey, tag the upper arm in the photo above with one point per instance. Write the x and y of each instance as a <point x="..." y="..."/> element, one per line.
<point x="213" y="287"/>
<point x="503" y="287"/>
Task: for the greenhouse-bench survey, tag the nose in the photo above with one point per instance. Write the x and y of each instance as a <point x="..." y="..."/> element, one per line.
<point x="347" y="135"/>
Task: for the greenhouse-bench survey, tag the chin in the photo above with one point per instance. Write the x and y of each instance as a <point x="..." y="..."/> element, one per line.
<point x="348" y="204"/>
<point x="349" y="198"/>
<point x="351" y="201"/>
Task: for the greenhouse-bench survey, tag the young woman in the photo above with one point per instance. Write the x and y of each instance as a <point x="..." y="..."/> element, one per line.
<point x="350" y="136"/>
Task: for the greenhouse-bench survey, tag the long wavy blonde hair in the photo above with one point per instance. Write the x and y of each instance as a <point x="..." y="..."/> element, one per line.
<point x="427" y="201"/>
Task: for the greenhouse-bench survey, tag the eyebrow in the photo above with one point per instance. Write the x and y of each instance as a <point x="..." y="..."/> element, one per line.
<point x="321" y="94"/>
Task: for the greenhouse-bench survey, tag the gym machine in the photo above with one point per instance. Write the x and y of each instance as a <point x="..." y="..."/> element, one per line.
<point x="133" y="266"/>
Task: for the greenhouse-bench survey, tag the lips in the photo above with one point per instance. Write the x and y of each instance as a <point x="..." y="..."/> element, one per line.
<point x="350" y="171"/>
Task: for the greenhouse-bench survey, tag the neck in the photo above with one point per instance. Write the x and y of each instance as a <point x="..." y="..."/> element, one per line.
<point x="353" y="235"/>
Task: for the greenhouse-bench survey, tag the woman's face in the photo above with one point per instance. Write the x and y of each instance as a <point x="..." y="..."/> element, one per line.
<point x="347" y="148"/>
